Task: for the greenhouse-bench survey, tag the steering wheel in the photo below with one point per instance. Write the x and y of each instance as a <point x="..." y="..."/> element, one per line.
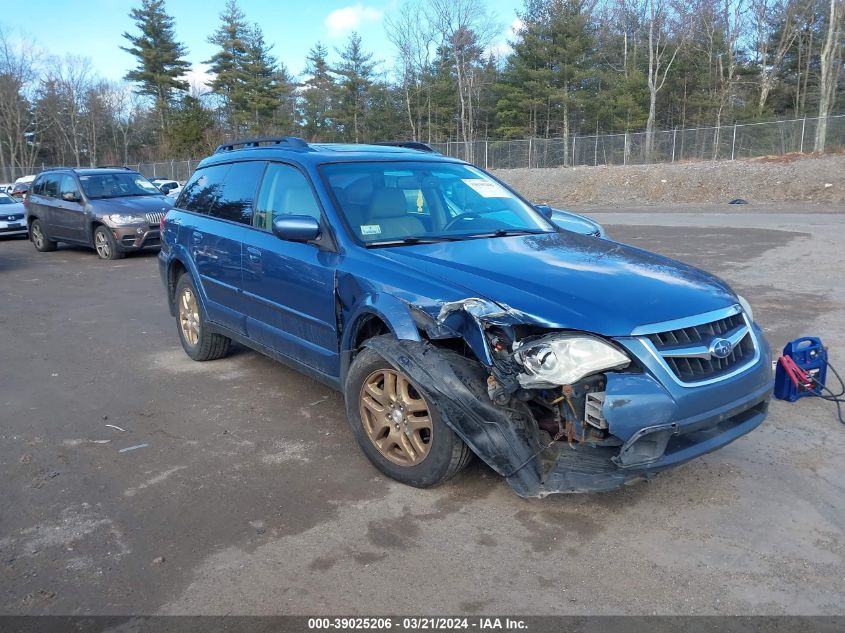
<point x="469" y="215"/>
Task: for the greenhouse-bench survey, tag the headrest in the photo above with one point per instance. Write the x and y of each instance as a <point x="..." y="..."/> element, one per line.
<point x="96" y="187"/>
<point x="408" y="182"/>
<point x="388" y="203"/>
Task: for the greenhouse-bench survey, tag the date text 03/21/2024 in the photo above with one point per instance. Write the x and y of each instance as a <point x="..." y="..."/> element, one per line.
<point x="417" y="623"/>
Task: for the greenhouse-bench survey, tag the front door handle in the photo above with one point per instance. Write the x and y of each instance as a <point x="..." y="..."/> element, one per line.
<point x="254" y="254"/>
<point x="197" y="237"/>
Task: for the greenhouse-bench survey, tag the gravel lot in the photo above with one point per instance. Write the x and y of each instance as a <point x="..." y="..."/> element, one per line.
<point x="251" y="497"/>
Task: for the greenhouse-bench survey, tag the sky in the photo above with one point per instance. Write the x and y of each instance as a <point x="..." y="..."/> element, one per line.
<point x="94" y="28"/>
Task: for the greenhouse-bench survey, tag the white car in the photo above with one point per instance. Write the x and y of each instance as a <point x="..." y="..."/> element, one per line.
<point x="12" y="213"/>
<point x="170" y="188"/>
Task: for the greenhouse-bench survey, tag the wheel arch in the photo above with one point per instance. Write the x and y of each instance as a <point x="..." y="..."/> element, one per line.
<point x="374" y="315"/>
<point x="175" y="269"/>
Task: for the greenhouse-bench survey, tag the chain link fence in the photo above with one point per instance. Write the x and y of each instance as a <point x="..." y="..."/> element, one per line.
<point x="728" y="142"/>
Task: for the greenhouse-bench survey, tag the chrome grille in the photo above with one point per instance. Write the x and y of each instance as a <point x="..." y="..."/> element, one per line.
<point x="688" y="351"/>
<point x="155" y="218"/>
<point x="696" y="333"/>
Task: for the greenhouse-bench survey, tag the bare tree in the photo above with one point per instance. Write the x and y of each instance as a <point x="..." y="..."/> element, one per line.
<point x="829" y="66"/>
<point x="413" y="35"/>
<point x="770" y="55"/>
<point x="662" y="51"/>
<point x="465" y="29"/>
<point x="69" y="81"/>
<point x="125" y="105"/>
<point x="20" y="123"/>
<point x="722" y="23"/>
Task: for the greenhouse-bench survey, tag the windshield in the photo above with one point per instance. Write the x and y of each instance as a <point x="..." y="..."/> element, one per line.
<point x="406" y="202"/>
<point x="4" y="199"/>
<point x="117" y="185"/>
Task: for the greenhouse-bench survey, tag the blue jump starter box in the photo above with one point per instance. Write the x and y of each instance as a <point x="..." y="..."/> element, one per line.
<point x="811" y="356"/>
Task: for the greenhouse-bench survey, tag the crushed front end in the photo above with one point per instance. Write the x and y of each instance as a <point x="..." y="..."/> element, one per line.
<point x="637" y="405"/>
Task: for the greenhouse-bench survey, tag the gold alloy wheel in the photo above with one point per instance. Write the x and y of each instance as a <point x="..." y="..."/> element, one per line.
<point x="396" y="417"/>
<point x="189" y="316"/>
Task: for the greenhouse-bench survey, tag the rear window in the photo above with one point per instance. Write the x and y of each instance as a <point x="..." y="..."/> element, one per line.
<point x="223" y="191"/>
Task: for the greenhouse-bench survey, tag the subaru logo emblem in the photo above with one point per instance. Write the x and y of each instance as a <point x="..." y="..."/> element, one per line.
<point x="721" y="348"/>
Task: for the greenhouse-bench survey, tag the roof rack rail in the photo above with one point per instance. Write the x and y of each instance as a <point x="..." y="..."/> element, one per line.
<point x="291" y="141"/>
<point x="107" y="167"/>
<point x="417" y="145"/>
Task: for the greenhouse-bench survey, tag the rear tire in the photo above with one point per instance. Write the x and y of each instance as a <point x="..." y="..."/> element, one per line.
<point x="198" y="343"/>
<point x="106" y="245"/>
<point x="39" y="238"/>
<point x="385" y="430"/>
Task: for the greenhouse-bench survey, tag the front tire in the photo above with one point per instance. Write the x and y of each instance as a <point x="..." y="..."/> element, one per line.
<point x="198" y="343"/>
<point x="106" y="245"/>
<point x="39" y="238"/>
<point x="396" y="426"/>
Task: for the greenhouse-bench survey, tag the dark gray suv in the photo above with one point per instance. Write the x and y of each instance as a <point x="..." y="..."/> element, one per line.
<point x="115" y="210"/>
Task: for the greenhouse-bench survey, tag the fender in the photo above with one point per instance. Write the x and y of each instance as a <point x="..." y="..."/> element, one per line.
<point x="390" y="310"/>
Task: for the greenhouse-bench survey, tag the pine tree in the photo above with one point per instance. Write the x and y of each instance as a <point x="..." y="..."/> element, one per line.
<point x="285" y="113"/>
<point x="228" y="64"/>
<point x="160" y="57"/>
<point x="262" y="91"/>
<point x="355" y="78"/>
<point x="190" y="127"/>
<point x="318" y="90"/>
<point x="551" y="74"/>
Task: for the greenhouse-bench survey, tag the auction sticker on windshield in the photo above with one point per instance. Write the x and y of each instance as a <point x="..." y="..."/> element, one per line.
<point x="486" y="188"/>
<point x="370" y="229"/>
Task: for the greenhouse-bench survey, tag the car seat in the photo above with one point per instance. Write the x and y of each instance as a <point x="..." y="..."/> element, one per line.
<point x="388" y="211"/>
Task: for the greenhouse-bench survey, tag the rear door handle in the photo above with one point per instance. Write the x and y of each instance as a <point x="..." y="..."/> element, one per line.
<point x="197" y="237"/>
<point x="254" y="254"/>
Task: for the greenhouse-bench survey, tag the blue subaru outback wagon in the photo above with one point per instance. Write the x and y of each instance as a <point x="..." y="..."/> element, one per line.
<point x="457" y="319"/>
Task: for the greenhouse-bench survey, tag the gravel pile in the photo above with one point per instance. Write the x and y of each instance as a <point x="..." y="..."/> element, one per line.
<point x="790" y="178"/>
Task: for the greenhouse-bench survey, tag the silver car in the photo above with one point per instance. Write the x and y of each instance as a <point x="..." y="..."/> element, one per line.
<point x="11" y="216"/>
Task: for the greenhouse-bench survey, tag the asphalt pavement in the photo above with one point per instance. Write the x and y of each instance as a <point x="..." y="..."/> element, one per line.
<point x="244" y="492"/>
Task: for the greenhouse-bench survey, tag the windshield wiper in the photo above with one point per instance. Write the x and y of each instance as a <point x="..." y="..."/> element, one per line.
<point x="414" y="239"/>
<point x="506" y="233"/>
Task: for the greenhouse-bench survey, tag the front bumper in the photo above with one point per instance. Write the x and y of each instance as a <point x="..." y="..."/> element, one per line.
<point x="661" y="426"/>
<point x="13" y="227"/>
<point x="134" y="238"/>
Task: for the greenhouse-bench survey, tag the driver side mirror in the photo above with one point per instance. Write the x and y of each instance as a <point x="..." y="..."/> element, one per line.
<point x="71" y="196"/>
<point x="296" y="228"/>
<point x="545" y="210"/>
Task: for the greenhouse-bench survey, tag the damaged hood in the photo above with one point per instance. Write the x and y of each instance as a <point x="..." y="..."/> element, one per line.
<point x="564" y="280"/>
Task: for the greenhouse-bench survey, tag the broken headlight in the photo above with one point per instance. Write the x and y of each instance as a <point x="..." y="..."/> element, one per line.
<point x="562" y="359"/>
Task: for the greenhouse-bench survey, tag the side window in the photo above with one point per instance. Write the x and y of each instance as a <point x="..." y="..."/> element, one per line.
<point x="68" y="189"/>
<point x="202" y="189"/>
<point x="237" y="194"/>
<point x="284" y="190"/>
<point x="38" y="186"/>
<point x="51" y="186"/>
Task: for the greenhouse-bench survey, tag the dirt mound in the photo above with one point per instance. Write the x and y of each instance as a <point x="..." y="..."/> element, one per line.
<point x="808" y="179"/>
